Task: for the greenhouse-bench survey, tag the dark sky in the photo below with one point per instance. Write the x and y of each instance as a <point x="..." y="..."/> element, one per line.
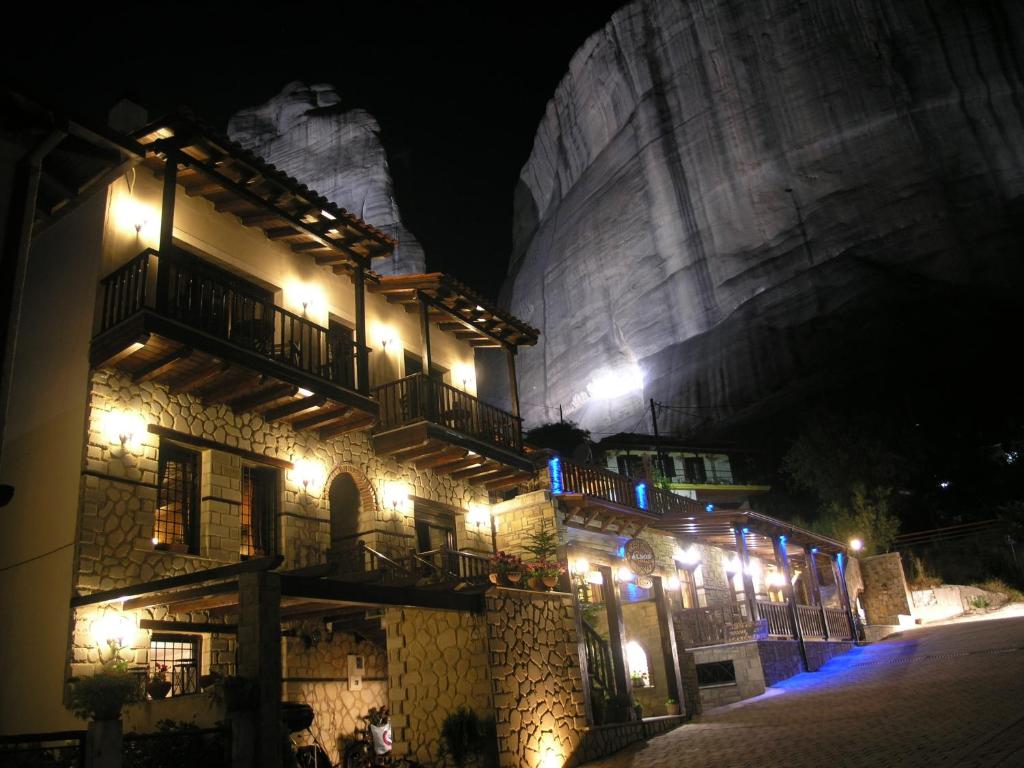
<point x="457" y="88"/>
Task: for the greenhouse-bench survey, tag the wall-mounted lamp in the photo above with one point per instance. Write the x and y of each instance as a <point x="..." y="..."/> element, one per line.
<point x="112" y="630"/>
<point x="479" y="516"/>
<point x="310" y="473"/>
<point x="124" y="428"/>
<point x="688" y="556"/>
<point x="732" y="565"/>
<point x="624" y="574"/>
<point x="395" y="496"/>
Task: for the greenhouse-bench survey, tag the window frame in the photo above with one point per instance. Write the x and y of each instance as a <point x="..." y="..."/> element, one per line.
<point x="190" y="497"/>
<point x="194" y="641"/>
<point x="267" y="516"/>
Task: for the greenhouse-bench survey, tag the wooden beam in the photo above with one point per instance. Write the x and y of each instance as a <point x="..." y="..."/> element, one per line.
<point x="162" y="365"/>
<point x="200" y="378"/>
<point x="445" y="457"/>
<point x="350" y="424"/>
<point x="430" y="447"/>
<point x="109" y="356"/>
<point x="378" y="594"/>
<point x="180" y="596"/>
<point x="502" y="473"/>
<point x="188" y="626"/>
<point x="186" y="579"/>
<point x="465" y="474"/>
<point x="470" y="461"/>
<point x="281" y="233"/>
<point x="262" y="397"/>
<point x="509" y="482"/>
<point x="321" y="418"/>
<point x="294" y="408"/>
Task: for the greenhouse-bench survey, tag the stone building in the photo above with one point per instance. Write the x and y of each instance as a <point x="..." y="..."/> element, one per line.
<point x="241" y="454"/>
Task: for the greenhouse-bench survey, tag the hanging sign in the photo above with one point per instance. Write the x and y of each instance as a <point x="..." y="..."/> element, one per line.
<point x="644" y="582"/>
<point x="640" y="556"/>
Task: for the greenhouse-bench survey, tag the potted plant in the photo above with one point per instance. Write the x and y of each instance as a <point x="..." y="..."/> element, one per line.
<point x="641" y="680"/>
<point x="507" y="567"/>
<point x="618" y="708"/>
<point x="671" y="707"/>
<point x="159" y="686"/>
<point x="101" y="696"/>
<point x="544" y="574"/>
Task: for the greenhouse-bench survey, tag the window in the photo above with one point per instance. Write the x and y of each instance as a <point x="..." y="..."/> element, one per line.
<point x="687" y="588"/>
<point x="636" y="660"/>
<point x="668" y="467"/>
<point x="694" y="468"/>
<point x="258" y="511"/>
<point x="177" y="508"/>
<point x="180" y="654"/>
<point x="630" y="466"/>
<point x="716" y="673"/>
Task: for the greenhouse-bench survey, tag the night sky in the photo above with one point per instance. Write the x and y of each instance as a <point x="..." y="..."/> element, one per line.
<point x="458" y="89"/>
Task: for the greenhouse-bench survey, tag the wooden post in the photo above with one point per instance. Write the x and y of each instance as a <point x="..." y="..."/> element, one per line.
<point x="782" y="558"/>
<point x="166" y="229"/>
<point x="513" y="386"/>
<point x="669" y="651"/>
<point x="581" y="652"/>
<point x="425" y="333"/>
<point x="616" y="633"/>
<point x="259" y="657"/>
<point x="362" y="356"/>
<point x="748" y="579"/>
<point x="812" y="571"/>
<point x="844" y="593"/>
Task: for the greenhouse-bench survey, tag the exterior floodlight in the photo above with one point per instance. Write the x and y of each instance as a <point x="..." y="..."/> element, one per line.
<point x="856" y="545"/>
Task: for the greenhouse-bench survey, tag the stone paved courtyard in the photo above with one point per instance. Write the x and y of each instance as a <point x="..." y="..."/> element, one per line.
<point x="936" y="696"/>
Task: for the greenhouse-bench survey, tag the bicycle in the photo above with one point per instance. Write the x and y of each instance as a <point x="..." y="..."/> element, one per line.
<point x="371" y="747"/>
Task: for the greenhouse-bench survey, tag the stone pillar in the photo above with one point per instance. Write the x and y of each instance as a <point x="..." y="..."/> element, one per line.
<point x="748" y="579"/>
<point x="669" y="650"/>
<point x="782" y="558"/>
<point x="616" y="633"/>
<point x="103" y="744"/>
<point x="259" y="657"/>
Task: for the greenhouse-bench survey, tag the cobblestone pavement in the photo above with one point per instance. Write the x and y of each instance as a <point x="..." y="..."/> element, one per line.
<point x="936" y="696"/>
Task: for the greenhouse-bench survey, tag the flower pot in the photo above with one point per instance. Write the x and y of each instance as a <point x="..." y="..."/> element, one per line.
<point x="536" y="583"/>
<point x="672" y="710"/>
<point x="514" y="577"/>
<point x="493" y="578"/>
<point x="158" y="689"/>
<point x="549" y="581"/>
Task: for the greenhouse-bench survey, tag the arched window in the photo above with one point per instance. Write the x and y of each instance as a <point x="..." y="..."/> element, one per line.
<point x="636" y="660"/>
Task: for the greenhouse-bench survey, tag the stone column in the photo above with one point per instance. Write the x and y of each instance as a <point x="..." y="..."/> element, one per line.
<point x="782" y="558"/>
<point x="104" y="744"/>
<point x="259" y="657"/>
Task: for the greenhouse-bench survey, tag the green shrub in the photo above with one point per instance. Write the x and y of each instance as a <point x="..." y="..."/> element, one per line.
<point x="1001" y="587"/>
<point x="179" y="744"/>
<point x="979" y="602"/>
<point x="101" y="696"/>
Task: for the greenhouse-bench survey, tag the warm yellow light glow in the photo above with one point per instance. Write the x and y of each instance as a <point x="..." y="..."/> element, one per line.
<point x="464" y="374"/>
<point x="310" y="474"/>
<point x="305" y="298"/>
<point x="395" y="496"/>
<point x="624" y="574"/>
<point x="689" y="556"/>
<point x="479" y="516"/>
<point x="135" y="217"/>
<point x="328" y="215"/>
<point x="550" y="752"/>
<point x="754" y="568"/>
<point x="580" y="565"/>
<point x="384" y="336"/>
<point x="732" y="565"/>
<point x="608" y="384"/>
<point x="551" y="759"/>
<point x="305" y="392"/>
<point x="775" y="580"/>
<point x="595" y="577"/>
<point x="112" y="629"/>
<point x="856" y="545"/>
<point x="672" y="583"/>
<point x="124" y="428"/>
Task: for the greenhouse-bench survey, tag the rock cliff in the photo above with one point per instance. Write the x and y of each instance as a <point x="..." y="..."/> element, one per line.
<point x="725" y="199"/>
<point x="304" y="132"/>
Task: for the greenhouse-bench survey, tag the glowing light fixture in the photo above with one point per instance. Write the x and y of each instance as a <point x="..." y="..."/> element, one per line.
<point x="113" y="630"/>
<point x="775" y="580"/>
<point x="580" y="566"/>
<point x="595" y="577"/>
<point x="305" y="392"/>
<point x="310" y="473"/>
<point x="641" y="495"/>
<point x="328" y="215"/>
<point x="709" y="508"/>
<point x="466" y="373"/>
<point x="555" y="474"/>
<point x="672" y="582"/>
<point x="395" y="496"/>
<point x="689" y="556"/>
<point x="732" y="565"/>
<point x="479" y="515"/>
<point x="856" y="545"/>
<point x="124" y="427"/>
<point x="385" y="335"/>
<point x="610" y="384"/>
<point x="624" y="574"/>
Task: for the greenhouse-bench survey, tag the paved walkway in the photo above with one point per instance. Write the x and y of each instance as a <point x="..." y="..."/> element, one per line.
<point x="936" y="696"/>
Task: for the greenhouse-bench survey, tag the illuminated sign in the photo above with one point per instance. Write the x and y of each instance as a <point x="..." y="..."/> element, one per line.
<point x="640" y="556"/>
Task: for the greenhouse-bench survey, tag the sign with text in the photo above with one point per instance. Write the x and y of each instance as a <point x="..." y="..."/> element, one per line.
<point x="640" y="556"/>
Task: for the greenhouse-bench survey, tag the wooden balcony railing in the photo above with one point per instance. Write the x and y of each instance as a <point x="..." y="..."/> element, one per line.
<point x="422" y="398"/>
<point x="599" y="660"/>
<point x="661" y="502"/>
<point x="811" y="622"/>
<point x="593" y="481"/>
<point x="838" y="623"/>
<point x="456" y="565"/>
<point x="777" y="616"/>
<point x="705" y="626"/>
<point x="205" y="300"/>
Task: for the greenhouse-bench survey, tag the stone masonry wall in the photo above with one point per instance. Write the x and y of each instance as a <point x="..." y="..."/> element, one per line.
<point x="535" y="673"/>
<point x="749" y="674"/>
<point x="515" y="520"/>
<point x="641" y="624"/>
<point x="318" y="676"/>
<point x="437" y="662"/>
<point x="885" y="589"/>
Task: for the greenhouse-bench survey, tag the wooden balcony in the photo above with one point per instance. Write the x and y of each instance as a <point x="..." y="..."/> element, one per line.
<point x="166" y="318"/>
<point x="451" y="432"/>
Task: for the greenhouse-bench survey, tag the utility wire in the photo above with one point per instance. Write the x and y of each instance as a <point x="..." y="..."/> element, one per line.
<point x="37" y="557"/>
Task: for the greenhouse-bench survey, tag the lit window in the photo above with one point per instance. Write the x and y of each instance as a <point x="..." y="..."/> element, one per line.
<point x="180" y="655"/>
<point x="176" y="520"/>
<point x="259" y="509"/>
<point x="636" y="659"/>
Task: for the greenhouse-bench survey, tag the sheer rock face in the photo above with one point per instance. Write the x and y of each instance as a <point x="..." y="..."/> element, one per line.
<point x="720" y="189"/>
<point x="338" y="153"/>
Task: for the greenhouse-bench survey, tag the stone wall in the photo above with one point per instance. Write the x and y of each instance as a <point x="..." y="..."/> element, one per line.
<point x="640" y="620"/>
<point x="604" y="740"/>
<point x="750" y="677"/>
<point x="820" y="652"/>
<point x="535" y="674"/>
<point x="437" y="662"/>
<point x="515" y="520"/>
<point x="317" y="674"/>
<point x="885" y="596"/>
<point x="780" y="660"/>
